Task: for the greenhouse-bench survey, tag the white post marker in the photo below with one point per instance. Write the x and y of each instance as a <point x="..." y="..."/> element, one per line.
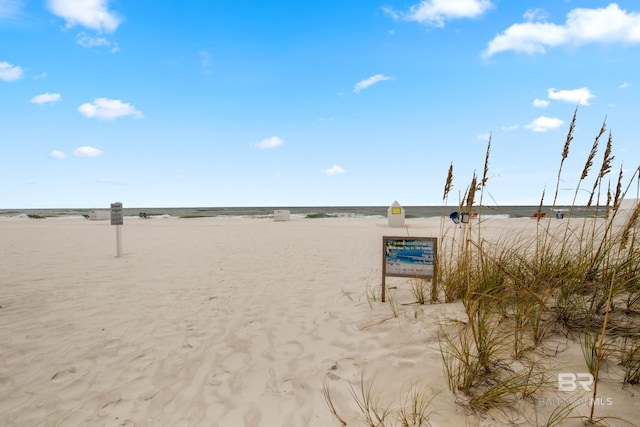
<point x="395" y="215"/>
<point x="116" y="219"/>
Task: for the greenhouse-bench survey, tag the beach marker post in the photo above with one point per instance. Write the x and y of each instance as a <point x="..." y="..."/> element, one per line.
<point x="117" y="220"/>
<point x="395" y="215"/>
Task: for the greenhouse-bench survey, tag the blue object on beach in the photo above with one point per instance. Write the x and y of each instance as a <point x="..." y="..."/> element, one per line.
<point x="455" y="217"/>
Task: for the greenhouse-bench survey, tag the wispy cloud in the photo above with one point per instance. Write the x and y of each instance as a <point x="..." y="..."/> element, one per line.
<point x="362" y="85"/>
<point x="540" y="103"/>
<point x="334" y="170"/>
<point x="58" y="155"/>
<point x="88" y="41"/>
<point x="606" y="25"/>
<point x="625" y="85"/>
<point x="510" y="128"/>
<point x="580" y="96"/>
<point x="535" y="15"/>
<point x="483" y="136"/>
<point x="206" y="61"/>
<point x="91" y="14"/>
<point x="46" y="98"/>
<point x="437" y="12"/>
<point x="543" y="124"/>
<point x="10" y="9"/>
<point x="268" y="143"/>
<point x="87" y="151"/>
<point x="9" y="72"/>
<point x="109" y="109"/>
<point x="109" y="181"/>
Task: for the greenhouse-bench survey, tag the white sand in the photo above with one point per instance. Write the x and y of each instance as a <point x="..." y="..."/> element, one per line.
<point x="222" y="322"/>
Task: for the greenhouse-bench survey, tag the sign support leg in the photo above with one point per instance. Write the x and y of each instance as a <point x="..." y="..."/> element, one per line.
<point x="118" y="241"/>
<point x="384" y="287"/>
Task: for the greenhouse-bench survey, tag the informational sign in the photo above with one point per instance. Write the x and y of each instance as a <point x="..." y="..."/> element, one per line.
<point x="116" y="213"/>
<point x="408" y="257"/>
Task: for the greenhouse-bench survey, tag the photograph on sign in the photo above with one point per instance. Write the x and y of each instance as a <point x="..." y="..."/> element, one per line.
<point x="409" y="257"/>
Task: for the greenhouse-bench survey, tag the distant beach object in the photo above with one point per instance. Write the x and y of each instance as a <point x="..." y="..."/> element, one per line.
<point x="455" y="217"/>
<point x="117" y="220"/>
<point x="33" y="216"/>
<point x="99" y="214"/>
<point x="143" y="215"/>
<point x="281" y="215"/>
<point x="395" y="215"/>
<point x="538" y="215"/>
<point x="461" y="217"/>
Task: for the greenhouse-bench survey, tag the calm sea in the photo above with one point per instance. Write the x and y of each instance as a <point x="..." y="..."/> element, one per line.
<point x="306" y="212"/>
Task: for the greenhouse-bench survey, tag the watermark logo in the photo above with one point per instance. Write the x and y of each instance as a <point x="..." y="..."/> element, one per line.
<point x="568" y="381"/>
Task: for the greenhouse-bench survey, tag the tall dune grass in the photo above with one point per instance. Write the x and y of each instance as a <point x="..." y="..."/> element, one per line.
<point x="579" y="279"/>
<point x="582" y="280"/>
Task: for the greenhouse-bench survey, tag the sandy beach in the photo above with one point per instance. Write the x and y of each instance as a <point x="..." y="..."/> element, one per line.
<point x="228" y="322"/>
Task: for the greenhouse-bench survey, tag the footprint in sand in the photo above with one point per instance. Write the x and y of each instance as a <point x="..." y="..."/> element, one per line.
<point x="235" y="361"/>
<point x="281" y="351"/>
<point x="344" y="369"/>
<point x="63" y="376"/>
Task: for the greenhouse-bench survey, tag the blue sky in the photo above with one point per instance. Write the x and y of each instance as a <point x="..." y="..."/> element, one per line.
<point x="291" y="103"/>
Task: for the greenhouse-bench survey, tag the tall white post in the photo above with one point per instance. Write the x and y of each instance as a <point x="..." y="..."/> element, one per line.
<point x="116" y="219"/>
<point x="118" y="241"/>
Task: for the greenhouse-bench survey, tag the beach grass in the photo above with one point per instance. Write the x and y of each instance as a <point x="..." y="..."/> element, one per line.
<point x="579" y="279"/>
<point x="516" y="292"/>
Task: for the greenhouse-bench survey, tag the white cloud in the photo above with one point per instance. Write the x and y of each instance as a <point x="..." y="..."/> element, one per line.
<point x="540" y="103"/>
<point x="625" y="85"/>
<point x="510" y="128"/>
<point x="10" y="8"/>
<point x="543" y="124"/>
<point x="45" y="98"/>
<point x="92" y="14"/>
<point x="86" y="151"/>
<point x="369" y="82"/>
<point x="108" y="109"/>
<point x="334" y="170"/>
<point x="56" y="154"/>
<point x="483" y="136"/>
<point x="88" y="41"/>
<point x="9" y="72"/>
<point x="205" y="58"/>
<point x="583" y="26"/>
<point x="272" y="142"/>
<point x="575" y="96"/>
<point x="436" y="12"/>
<point x="535" y="15"/>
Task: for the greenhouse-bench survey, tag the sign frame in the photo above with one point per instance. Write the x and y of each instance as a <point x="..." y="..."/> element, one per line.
<point x="420" y="258"/>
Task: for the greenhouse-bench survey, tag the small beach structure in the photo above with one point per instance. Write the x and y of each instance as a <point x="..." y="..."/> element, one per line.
<point x="395" y="215"/>
<point x="99" y="214"/>
<point x="281" y="215"/>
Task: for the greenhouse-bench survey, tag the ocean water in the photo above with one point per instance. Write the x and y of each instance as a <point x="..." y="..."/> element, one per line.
<point x="309" y="212"/>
